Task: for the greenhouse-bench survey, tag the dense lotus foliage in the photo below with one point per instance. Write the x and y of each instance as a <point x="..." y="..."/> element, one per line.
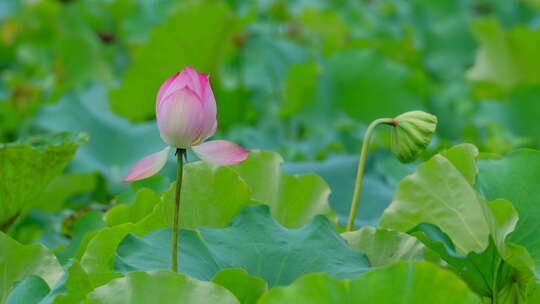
<point x="449" y="207"/>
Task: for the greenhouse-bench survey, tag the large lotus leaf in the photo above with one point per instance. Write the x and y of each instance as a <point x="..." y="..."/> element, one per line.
<point x="212" y="196"/>
<point x="384" y="247"/>
<point x="255" y="242"/>
<point x="400" y="283"/>
<point x="19" y="261"/>
<point x="245" y="287"/>
<point x="197" y="35"/>
<point x="515" y="178"/>
<point x="115" y="144"/>
<point x="159" y="286"/>
<point x="339" y="172"/>
<point x="508" y="57"/>
<point x="26" y="168"/>
<point x="387" y="90"/>
<point x="293" y="200"/>
<point x="439" y="193"/>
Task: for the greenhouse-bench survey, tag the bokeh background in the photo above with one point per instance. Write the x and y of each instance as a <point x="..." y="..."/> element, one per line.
<point x="302" y="78"/>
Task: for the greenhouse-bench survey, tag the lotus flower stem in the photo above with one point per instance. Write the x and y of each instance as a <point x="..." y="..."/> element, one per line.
<point x="179" y="174"/>
<point x="362" y="165"/>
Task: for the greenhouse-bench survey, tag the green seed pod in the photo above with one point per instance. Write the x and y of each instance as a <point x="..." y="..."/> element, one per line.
<point x="411" y="134"/>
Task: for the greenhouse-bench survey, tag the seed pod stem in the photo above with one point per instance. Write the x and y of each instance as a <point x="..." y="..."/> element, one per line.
<point x="362" y="165"/>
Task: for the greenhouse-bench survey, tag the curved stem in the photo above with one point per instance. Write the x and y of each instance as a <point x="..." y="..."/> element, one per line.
<point x="179" y="173"/>
<point x="362" y="165"/>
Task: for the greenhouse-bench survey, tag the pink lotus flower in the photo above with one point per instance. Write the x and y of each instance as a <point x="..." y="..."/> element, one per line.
<point x="186" y="117"/>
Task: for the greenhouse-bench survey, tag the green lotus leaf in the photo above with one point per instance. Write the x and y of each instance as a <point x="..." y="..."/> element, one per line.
<point x="245" y="287"/>
<point x="27" y="167"/>
<point x="440" y="193"/>
<point x="293" y="200"/>
<point x="400" y="283"/>
<point x="211" y="196"/>
<point x="160" y="286"/>
<point x="97" y="254"/>
<point x="255" y="242"/>
<point x="515" y="178"/>
<point x="142" y="205"/>
<point x="28" y="291"/>
<point x="18" y="261"/>
<point x="384" y="247"/>
<point x="486" y="273"/>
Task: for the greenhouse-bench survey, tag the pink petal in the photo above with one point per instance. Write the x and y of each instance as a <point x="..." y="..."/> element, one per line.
<point x="192" y="79"/>
<point x="209" y="104"/>
<point x="148" y="166"/>
<point x="180" y="118"/>
<point x="164" y="89"/>
<point x="220" y="152"/>
<point x="187" y="77"/>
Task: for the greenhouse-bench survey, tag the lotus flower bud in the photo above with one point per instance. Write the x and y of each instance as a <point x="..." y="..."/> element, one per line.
<point x="186" y="117"/>
<point x="186" y="109"/>
<point x="411" y="134"/>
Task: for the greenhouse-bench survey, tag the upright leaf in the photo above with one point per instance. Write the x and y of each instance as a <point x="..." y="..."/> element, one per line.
<point x="515" y="178"/>
<point x="439" y="193"/>
<point x="293" y="200"/>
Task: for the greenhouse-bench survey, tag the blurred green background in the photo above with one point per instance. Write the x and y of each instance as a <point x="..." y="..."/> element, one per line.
<point x="302" y="78"/>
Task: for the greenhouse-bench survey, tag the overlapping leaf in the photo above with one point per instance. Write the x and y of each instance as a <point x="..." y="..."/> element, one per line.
<point x="384" y="247"/>
<point x="400" y="284"/>
<point x="159" y="286"/>
<point x="441" y="193"/>
<point x="515" y="178"/>
<point x="18" y="261"/>
<point x="254" y="242"/>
